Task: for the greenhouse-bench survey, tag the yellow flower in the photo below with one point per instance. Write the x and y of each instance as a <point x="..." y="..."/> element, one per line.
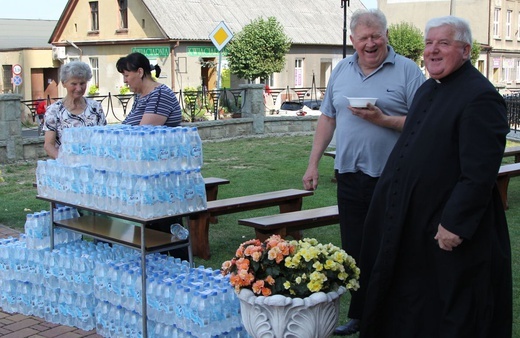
<point x="314" y="286"/>
<point x="318" y="266"/>
<point x="287" y="285"/>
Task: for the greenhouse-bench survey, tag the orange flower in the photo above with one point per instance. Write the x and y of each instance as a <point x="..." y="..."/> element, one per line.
<point x="226" y="266"/>
<point x="275" y="254"/>
<point x="254" y="251"/>
<point x="242" y="264"/>
<point x="273" y="241"/>
<point x="258" y="286"/>
<point x="270" y="280"/>
<point x="266" y="292"/>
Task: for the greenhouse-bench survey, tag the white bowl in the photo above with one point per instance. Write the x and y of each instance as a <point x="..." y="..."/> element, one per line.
<point x="361" y="102"/>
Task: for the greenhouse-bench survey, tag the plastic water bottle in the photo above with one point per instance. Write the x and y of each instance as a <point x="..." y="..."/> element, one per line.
<point x="179" y="231"/>
<point x="195" y="148"/>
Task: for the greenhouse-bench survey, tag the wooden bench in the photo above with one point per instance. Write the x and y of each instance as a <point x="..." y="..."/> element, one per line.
<point x="504" y="175"/>
<point x="331" y="153"/>
<point x="212" y="184"/>
<point x="513" y="151"/>
<point x="292" y="223"/>
<point x="287" y="200"/>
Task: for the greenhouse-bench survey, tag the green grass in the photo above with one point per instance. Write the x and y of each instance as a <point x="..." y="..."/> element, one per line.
<point x="253" y="166"/>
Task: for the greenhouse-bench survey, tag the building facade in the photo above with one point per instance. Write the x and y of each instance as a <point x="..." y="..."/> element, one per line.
<point x="495" y="25"/>
<point x="176" y="35"/>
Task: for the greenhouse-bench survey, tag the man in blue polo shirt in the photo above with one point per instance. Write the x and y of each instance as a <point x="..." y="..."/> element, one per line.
<point x="364" y="136"/>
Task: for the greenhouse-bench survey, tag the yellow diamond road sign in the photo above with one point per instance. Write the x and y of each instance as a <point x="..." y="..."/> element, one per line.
<point x="221" y="36"/>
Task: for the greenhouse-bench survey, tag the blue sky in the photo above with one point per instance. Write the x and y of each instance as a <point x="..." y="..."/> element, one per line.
<point x="51" y="9"/>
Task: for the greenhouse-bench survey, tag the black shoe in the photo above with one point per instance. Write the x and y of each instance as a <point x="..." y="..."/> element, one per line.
<point x="351" y="327"/>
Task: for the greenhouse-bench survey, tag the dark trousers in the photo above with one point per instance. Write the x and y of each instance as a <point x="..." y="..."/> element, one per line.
<point x="354" y="195"/>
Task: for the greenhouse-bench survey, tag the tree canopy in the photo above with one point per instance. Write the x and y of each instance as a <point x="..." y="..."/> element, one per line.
<point x="407" y="40"/>
<point x="258" y="50"/>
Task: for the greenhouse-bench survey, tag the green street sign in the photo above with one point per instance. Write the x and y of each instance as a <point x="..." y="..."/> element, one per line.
<point x="153" y="51"/>
<point x="202" y="51"/>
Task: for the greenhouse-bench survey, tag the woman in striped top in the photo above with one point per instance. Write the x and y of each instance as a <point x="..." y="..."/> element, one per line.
<point x="154" y="103"/>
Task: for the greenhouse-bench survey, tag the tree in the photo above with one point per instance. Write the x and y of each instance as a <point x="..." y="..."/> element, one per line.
<point x="258" y="50"/>
<point x="475" y="52"/>
<point x="407" y="40"/>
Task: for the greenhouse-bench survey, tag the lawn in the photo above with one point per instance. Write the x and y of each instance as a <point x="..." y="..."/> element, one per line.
<point x="252" y="165"/>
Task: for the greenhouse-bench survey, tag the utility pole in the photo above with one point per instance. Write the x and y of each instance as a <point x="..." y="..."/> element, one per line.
<point x="344" y="5"/>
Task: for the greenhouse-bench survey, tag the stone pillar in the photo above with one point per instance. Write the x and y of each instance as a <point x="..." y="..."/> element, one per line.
<point x="11" y="144"/>
<point x="253" y="105"/>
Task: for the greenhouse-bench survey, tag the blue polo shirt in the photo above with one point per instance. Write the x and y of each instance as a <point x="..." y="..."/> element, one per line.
<point x="361" y="145"/>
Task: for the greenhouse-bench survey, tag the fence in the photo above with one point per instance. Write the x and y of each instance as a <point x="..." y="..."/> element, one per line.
<point x="513" y="110"/>
<point x="199" y="105"/>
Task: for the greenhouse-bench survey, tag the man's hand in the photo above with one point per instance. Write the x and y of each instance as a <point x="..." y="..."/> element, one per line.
<point x="374" y="115"/>
<point x="446" y="239"/>
<point x="310" y="179"/>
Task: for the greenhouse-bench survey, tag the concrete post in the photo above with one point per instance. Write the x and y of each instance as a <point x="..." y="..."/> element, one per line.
<point x="11" y="144"/>
<point x="253" y="106"/>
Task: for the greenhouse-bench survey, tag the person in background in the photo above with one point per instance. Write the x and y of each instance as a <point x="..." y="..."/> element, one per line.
<point x="154" y="103"/>
<point x="364" y="136"/>
<point x="74" y="110"/>
<point x="436" y="257"/>
<point x="41" y="107"/>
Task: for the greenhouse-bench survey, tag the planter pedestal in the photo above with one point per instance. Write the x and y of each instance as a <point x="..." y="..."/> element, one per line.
<point x="284" y="317"/>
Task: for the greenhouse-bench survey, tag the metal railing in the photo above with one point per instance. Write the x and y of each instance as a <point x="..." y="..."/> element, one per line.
<point x="197" y="105"/>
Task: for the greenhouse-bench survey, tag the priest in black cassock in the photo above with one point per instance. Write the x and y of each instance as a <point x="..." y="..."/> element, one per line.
<point x="436" y="257"/>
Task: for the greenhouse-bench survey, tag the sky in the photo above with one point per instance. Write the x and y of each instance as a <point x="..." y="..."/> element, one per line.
<point x="51" y="9"/>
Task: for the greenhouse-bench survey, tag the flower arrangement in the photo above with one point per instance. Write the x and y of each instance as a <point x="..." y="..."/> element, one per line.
<point x="290" y="268"/>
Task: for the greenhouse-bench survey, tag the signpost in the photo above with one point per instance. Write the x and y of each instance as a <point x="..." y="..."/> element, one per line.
<point x="220" y="37"/>
<point x="17" y="76"/>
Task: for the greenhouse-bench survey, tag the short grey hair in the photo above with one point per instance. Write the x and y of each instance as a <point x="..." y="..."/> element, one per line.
<point x="77" y="69"/>
<point x="369" y="17"/>
<point x="460" y="25"/>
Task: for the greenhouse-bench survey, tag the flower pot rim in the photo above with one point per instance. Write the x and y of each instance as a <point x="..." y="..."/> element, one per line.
<point x="279" y="300"/>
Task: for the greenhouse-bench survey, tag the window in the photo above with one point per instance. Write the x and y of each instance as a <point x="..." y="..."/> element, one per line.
<point x="94" y="64"/>
<point x="517" y="71"/>
<point x="8" y="74"/>
<point x="496" y="23"/>
<point x="509" y="16"/>
<point x="298" y="73"/>
<point x="94" y="16"/>
<point x="507" y="70"/>
<point x="518" y="28"/>
<point x="123" y="14"/>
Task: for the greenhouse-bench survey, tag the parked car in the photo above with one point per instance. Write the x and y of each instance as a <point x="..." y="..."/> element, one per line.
<point x="296" y="108"/>
<point x="292" y="108"/>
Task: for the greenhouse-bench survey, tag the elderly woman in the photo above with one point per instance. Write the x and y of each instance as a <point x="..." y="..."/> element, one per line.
<point x="155" y="103"/>
<point x="73" y="110"/>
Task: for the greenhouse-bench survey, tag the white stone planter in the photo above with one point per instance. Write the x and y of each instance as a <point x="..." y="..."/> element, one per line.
<point x="283" y="317"/>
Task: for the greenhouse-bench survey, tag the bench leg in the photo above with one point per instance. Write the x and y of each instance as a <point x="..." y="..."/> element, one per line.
<point x="199" y="233"/>
<point x="293" y="205"/>
<point x="263" y="235"/>
<point x="502" y="184"/>
<point x="211" y="195"/>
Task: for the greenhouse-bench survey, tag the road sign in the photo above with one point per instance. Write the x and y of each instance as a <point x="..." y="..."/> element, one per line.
<point x="17" y="80"/>
<point x="221" y="36"/>
<point x="17" y="69"/>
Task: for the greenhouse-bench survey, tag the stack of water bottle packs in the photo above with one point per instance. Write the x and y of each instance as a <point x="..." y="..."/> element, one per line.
<point x="96" y="285"/>
<point x="56" y="285"/>
<point x="143" y="171"/>
<point x="181" y="301"/>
